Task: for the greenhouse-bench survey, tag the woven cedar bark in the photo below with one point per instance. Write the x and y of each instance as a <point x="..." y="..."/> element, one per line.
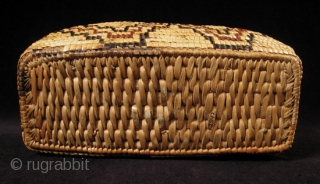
<point x="96" y="96"/>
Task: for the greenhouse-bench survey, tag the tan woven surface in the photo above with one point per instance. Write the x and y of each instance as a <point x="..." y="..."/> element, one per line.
<point x="158" y="89"/>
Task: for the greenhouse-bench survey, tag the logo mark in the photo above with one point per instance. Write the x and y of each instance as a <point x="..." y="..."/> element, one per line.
<point x="16" y="164"/>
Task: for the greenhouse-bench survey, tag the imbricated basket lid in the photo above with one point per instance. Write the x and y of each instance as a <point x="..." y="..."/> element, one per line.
<point x="158" y="89"/>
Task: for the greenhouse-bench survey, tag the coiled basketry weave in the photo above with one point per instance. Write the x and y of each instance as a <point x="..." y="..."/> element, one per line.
<point x="158" y="89"/>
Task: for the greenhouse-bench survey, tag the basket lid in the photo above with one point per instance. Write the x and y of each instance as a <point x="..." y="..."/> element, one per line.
<point x="111" y="35"/>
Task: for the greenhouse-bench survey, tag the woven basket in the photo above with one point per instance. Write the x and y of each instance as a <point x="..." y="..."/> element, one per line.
<point x="158" y="89"/>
